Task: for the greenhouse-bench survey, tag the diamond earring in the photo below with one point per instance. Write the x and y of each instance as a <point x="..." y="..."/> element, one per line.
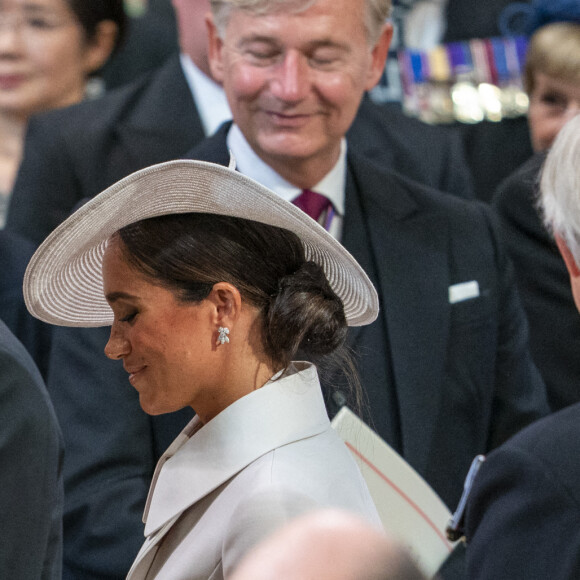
<point x="223" y="335"/>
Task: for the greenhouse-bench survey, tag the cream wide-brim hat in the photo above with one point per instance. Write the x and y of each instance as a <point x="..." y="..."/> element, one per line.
<point x="63" y="283"/>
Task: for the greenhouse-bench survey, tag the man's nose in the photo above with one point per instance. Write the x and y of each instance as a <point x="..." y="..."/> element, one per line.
<point x="291" y="78"/>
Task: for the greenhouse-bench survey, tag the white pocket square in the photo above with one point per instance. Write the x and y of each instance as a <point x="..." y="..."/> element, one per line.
<point x="463" y="291"/>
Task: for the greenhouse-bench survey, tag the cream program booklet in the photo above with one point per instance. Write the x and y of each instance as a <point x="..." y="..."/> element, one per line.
<point x="409" y="508"/>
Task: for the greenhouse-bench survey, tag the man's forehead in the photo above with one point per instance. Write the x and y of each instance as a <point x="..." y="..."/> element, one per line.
<point x="273" y="9"/>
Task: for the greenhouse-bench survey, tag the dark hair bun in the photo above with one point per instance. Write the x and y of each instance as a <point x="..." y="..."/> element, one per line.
<point x="305" y="316"/>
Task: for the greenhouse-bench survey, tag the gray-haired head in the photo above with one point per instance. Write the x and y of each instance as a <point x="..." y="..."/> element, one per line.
<point x="560" y="187"/>
<point x="377" y="12"/>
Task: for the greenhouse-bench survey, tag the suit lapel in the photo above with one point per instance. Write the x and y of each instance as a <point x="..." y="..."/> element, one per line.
<point x="411" y="270"/>
<point x="213" y="149"/>
<point x="356" y="240"/>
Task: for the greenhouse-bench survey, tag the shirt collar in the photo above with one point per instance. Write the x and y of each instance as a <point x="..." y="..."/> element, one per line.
<point x="247" y="162"/>
<point x="209" y="97"/>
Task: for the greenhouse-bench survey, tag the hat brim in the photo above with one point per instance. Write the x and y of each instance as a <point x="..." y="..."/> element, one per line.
<point x="63" y="282"/>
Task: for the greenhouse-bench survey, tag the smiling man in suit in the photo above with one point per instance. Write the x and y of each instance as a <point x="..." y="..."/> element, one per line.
<point x="446" y="368"/>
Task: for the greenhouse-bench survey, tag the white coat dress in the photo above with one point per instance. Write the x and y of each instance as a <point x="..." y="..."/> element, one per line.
<point x="222" y="487"/>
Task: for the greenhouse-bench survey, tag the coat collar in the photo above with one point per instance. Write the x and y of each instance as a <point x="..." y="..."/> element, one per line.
<point x="202" y="458"/>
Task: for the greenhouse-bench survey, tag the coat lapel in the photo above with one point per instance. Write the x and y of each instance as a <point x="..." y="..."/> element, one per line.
<point x="410" y="259"/>
<point x="147" y="553"/>
<point x="230" y="442"/>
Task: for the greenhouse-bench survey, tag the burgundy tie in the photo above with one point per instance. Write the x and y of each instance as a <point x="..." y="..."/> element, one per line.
<point x="314" y="204"/>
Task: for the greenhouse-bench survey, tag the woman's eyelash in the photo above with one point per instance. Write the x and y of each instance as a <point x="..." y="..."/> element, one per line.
<point x="129" y="317"/>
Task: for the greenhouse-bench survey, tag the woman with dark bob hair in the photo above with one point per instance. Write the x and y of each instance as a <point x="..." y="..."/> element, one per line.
<point x="218" y="292"/>
<point x="48" y="51"/>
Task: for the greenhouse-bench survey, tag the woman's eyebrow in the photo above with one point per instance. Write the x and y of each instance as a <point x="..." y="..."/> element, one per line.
<point x="114" y="296"/>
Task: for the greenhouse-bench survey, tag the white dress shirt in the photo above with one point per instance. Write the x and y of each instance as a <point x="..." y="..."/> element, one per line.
<point x="209" y="97"/>
<point x="332" y="186"/>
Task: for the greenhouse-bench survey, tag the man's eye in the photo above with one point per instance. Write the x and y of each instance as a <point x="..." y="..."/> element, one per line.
<point x="262" y="55"/>
<point x="321" y="61"/>
<point x="324" y="57"/>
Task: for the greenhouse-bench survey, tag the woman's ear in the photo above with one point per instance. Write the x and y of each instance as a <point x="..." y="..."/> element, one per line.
<point x="227" y="302"/>
<point x="100" y="47"/>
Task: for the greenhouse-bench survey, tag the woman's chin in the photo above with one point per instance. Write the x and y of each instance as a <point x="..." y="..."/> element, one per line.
<point x="151" y="407"/>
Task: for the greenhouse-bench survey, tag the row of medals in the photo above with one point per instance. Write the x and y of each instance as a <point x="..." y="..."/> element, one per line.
<point x="446" y="92"/>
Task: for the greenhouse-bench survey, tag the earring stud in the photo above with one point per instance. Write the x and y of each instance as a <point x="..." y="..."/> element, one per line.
<point x="223" y="335"/>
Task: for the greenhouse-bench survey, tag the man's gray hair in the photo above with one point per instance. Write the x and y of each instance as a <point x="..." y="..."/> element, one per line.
<point x="377" y="12"/>
<point x="560" y="187"/>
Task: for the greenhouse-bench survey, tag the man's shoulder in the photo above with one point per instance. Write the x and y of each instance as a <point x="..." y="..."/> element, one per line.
<point x="549" y="446"/>
<point x="552" y="436"/>
<point x="386" y="186"/>
<point x="388" y="119"/>
<point x="519" y="187"/>
<point x="18" y="368"/>
<point x="107" y="110"/>
<point x="91" y="112"/>
<point x="15" y="253"/>
<point x="430" y="154"/>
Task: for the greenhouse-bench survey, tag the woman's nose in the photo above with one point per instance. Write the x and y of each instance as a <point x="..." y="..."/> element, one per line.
<point x="10" y="34"/>
<point x="117" y="346"/>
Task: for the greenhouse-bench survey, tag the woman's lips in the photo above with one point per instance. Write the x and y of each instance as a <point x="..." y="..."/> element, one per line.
<point x="133" y="373"/>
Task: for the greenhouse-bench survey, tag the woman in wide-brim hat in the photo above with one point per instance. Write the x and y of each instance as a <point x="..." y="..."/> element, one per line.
<point x="214" y="287"/>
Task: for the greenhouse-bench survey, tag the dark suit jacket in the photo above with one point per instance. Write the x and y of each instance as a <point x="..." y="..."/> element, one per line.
<point x="523" y="514"/>
<point x="151" y="39"/>
<point x="31" y="494"/>
<point x="494" y="151"/>
<point x="544" y="285"/>
<point x="74" y="153"/>
<point x="444" y="382"/>
<point x="15" y="252"/>
<point x="431" y="155"/>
